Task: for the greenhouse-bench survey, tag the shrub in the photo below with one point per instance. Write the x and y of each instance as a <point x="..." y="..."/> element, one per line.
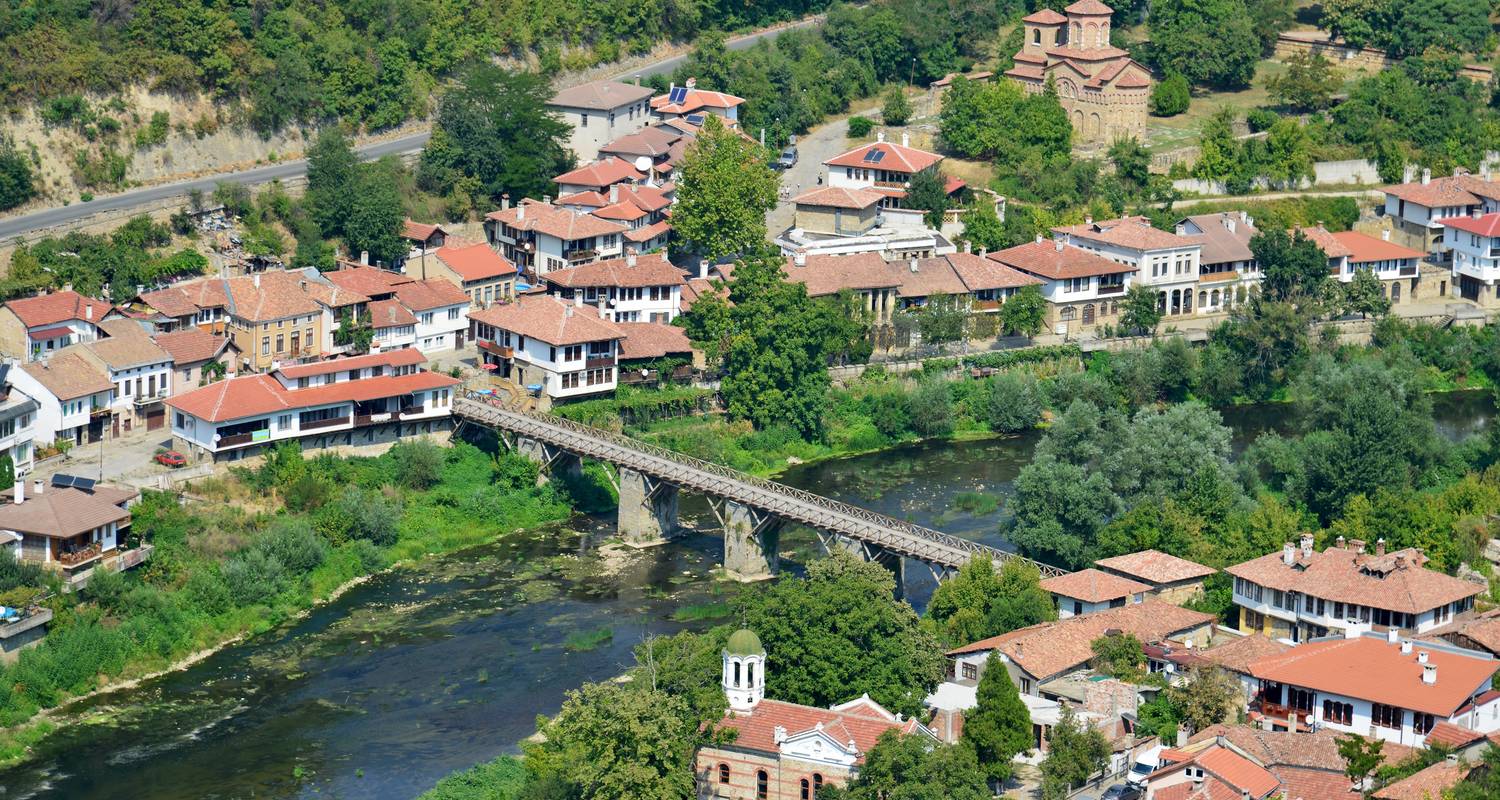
<point x="294" y="543"/>
<point x="155" y="132"/>
<point x="15" y="573"/>
<point x="1012" y="403"/>
<point x="419" y="464"/>
<point x="1171" y="96"/>
<point x="860" y="127"/>
<point x="253" y="577"/>
<point x="890" y="411"/>
<point x="932" y="406"/>
<point x="1260" y="119"/>
<point x="896" y="110"/>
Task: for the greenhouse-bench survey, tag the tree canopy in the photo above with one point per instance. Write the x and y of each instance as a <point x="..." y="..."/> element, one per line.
<point x="999" y="728"/>
<point x="1209" y="42"/>
<point x="914" y="768"/>
<point x="998" y="121"/>
<point x="980" y="601"/>
<point x="724" y="189"/>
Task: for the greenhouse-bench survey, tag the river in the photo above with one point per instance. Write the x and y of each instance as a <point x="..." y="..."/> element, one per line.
<point x="432" y="668"/>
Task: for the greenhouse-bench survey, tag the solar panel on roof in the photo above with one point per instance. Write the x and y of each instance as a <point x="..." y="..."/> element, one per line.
<point x="874" y="155"/>
<point x="695" y="119"/>
<point x="84" y="484"/>
<point x="62" y="480"/>
<point x="678" y="94"/>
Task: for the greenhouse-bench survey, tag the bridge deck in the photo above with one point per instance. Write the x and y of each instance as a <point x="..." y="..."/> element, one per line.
<point x="795" y="505"/>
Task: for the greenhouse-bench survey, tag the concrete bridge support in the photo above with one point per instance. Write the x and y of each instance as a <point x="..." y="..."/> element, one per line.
<point x="869" y="552"/>
<point x="648" y="509"/>
<point x="550" y="458"/>
<point x="751" y="538"/>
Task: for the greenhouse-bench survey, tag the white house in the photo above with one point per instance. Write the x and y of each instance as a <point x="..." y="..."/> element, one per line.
<point x="1418" y="209"/>
<point x="1475" y="244"/>
<point x="1380" y="685"/>
<point x="597" y="176"/>
<point x="140" y="370"/>
<point x="600" y="112"/>
<point x="1090" y="590"/>
<point x="395" y="327"/>
<point x="439" y="307"/>
<point x="18" y="415"/>
<point x="1166" y="262"/>
<point x="72" y="393"/>
<point x="1082" y="288"/>
<point x="365" y="399"/>
<point x="1227" y="270"/>
<point x="631" y="289"/>
<point x="66" y="528"/>
<point x="34" y="327"/>
<point x="539" y="237"/>
<point x="885" y="168"/>
<point x="689" y="104"/>
<point x="564" y="348"/>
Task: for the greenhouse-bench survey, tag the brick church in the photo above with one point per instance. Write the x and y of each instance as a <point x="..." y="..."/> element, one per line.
<point x="786" y="751"/>
<point x="1104" y="90"/>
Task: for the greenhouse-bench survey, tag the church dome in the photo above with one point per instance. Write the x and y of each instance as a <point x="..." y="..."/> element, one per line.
<point x="744" y="642"/>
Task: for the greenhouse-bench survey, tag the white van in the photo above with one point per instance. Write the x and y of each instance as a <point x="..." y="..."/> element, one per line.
<point x="1144" y="764"/>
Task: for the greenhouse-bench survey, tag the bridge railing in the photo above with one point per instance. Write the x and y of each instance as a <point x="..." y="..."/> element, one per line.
<point x="728" y="473"/>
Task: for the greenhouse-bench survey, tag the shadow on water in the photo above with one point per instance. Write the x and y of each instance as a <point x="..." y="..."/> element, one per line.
<point x="433" y="668"/>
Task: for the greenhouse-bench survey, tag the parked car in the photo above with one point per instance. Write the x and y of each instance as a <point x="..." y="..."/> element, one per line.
<point x="1121" y="791"/>
<point x="787" y="159"/>
<point x="171" y="458"/>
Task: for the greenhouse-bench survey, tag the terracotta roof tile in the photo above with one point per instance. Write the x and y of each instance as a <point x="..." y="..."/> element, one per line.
<point x="980" y="273"/>
<point x="891" y="157"/>
<point x="1451" y="736"/>
<point x="69" y="375"/>
<point x="834" y="197"/>
<point x="1487" y="225"/>
<point x="928" y="277"/>
<point x="653" y="141"/>
<point x="390" y="314"/>
<point x="652" y="340"/>
<point x="1364" y="247"/>
<point x="269" y="296"/>
<point x="648" y="232"/>
<point x="1428" y="784"/>
<point x="474" y="262"/>
<point x="601" y="95"/>
<point x="1089" y="8"/>
<point x="829" y="274"/>
<point x="1396" y="581"/>
<point x="369" y="281"/>
<point x="1134" y="233"/>
<point x="419" y="231"/>
<point x="1155" y="567"/>
<point x="1053" y="648"/>
<point x="127" y="347"/>
<point x="555" y="221"/>
<point x="1236" y="655"/>
<point x="1304" y="783"/>
<point x="550" y="320"/>
<point x="694" y="100"/>
<point x="651" y="269"/>
<point x="1437" y="193"/>
<point x="191" y="345"/>
<point x="63" y="306"/>
<point x="253" y="395"/>
<point x="601" y="173"/>
<point x="1220" y="244"/>
<point x="61" y="513"/>
<point x="1045" y="16"/>
<point x="406" y="357"/>
<point x="1483" y="630"/>
<point x="1093" y="586"/>
<point x="1316" y="750"/>
<point x="429" y="294"/>
<point x="1325" y="241"/>
<point x="1046" y="260"/>
<point x="757" y="729"/>
<point x="1369" y="668"/>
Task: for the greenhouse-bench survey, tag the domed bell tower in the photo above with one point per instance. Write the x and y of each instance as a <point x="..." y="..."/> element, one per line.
<point x="744" y="670"/>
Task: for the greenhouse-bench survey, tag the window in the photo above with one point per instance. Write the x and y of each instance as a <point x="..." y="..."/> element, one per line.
<point x="1075" y="284"/>
<point x="598" y="376"/>
<point x="452" y="314"/>
<point x="353" y="374"/>
<point x="806" y="790"/>
<point x="426" y="317"/>
<point x="817" y="782"/>
<point x="570" y="380"/>
<point x="971" y="671"/>
<point x="762" y="784"/>
<point x="1338" y="713"/>
<point x="1422" y="723"/>
<point x="284" y="421"/>
<point x="280" y="343"/>
<point x="583" y="120"/>
<point x="1025" y="686"/>
<point x="1300" y="699"/>
<point x="573" y="352"/>
<point x="1387" y="716"/>
<point x="723" y="773"/>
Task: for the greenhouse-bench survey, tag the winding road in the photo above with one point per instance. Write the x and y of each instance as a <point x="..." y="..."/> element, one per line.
<point x="52" y="217"/>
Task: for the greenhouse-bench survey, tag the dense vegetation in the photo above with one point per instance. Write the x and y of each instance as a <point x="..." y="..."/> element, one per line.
<point x="135" y="254"/>
<point x="274" y="540"/>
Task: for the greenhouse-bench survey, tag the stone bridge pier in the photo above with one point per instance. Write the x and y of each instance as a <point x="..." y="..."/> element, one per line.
<point x="648" y="509"/>
<point x="549" y="457"/>
<point x="751" y="538"/>
<point x="869" y="552"/>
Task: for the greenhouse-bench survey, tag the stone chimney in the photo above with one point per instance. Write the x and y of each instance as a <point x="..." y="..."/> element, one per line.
<point x="968" y="246"/>
<point x="364" y="258"/>
<point x="1339" y="542"/>
<point x="255" y="279"/>
<point x="1307" y="545"/>
<point x="1288" y="554"/>
<point x="703" y="266"/>
<point x="1429" y="674"/>
<point x="1406" y="647"/>
<point x="1057" y="244"/>
<point x="905" y="139"/>
<point x="1358" y="545"/>
<point x="799" y="258"/>
<point x="1380" y="546"/>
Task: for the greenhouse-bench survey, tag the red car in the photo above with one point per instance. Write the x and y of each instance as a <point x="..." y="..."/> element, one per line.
<point x="171" y="458"/>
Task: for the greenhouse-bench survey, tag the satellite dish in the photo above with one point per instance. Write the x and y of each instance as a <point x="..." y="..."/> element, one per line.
<point x="642" y="164"/>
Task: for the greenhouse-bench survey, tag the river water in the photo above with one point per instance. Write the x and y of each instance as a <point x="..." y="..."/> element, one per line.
<point x="433" y="668"/>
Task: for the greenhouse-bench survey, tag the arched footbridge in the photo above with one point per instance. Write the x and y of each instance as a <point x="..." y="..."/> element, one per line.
<point x="750" y="509"/>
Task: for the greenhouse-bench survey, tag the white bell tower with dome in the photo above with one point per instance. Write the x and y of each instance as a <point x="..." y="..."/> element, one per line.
<point x="744" y="670"/>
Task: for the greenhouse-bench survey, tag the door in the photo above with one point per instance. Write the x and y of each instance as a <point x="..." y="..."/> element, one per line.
<point x="156" y="420"/>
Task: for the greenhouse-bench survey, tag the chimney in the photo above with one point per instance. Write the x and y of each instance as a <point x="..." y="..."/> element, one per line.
<point x="1385" y="235"/>
<point x="914" y="264"/>
<point x="880" y="136"/>
<point x="1244" y="794"/>
<point x="520" y="211"/>
<point x="38" y="487"/>
<point x="1391" y="635"/>
<point x="568" y="310"/>
<point x="1229" y="223"/>
<point x="255" y="279"/>
<point x="1406" y="647"/>
<point x="905" y="139"/>
<point x="1245" y="217"/>
<point x="1429" y="674"/>
<point x="799" y="258"/>
<point x="1181" y="229"/>
<point x="984" y="251"/>
<point x="505" y="201"/>
<point x="1339" y="542"/>
<point x="638" y="79"/>
<point x="20" y="491"/>
<point x="968" y="246"/>
<point x="604" y="315"/>
<point x="1380" y="546"/>
<point x="778" y="734"/>
<point x="1088" y="220"/>
<point x="1421" y="656"/>
<point x="1056" y="244"/>
<point x="614" y="193"/>
<point x="1307" y="545"/>
<point x="630" y="257"/>
<point x="1426" y="176"/>
<point x="546" y="199"/>
<point x="703" y="267"/>
<point x="1358" y="545"/>
<point x="691" y="82"/>
<point x="364" y="258"/>
<point x="1288" y="554"/>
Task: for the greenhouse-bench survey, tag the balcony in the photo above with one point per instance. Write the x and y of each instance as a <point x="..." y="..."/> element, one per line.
<point x="1408" y="272"/>
<point x="412" y="411"/>
<point x="80" y="556"/>
<point x="501" y="350"/>
<point x="371" y="419"/>
<point x="1218" y="277"/>
<point x="331" y="422"/>
<point x="236" y="439"/>
<point x="148" y="399"/>
<point x="1110" y="291"/>
<point x="599" y="362"/>
<point x="580" y="256"/>
<point x="891" y="184"/>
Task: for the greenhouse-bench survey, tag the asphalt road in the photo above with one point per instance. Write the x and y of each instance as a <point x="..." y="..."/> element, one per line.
<point x="21" y="225"/>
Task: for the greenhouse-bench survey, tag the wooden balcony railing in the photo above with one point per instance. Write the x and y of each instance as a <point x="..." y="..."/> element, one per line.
<point x="236" y="439"/>
<point x="331" y="422"/>
<point x="412" y="411"/>
<point x="503" y="351"/>
<point x="574" y="256"/>
<point x="372" y="419"/>
<point x="1408" y="272"/>
<point x="599" y="362"/>
<point x="1105" y="291"/>
<point x="76" y="557"/>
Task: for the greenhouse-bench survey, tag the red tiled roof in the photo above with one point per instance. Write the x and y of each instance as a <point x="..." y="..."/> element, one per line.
<point x="1134" y="233"/>
<point x="1437" y="193"/>
<point x="1045" y="16"/>
<point x="859" y="723"/>
<point x="1089" y="8"/>
<point x="406" y="357"/>
<point x="268" y="296"/>
<point x="1325" y="241"/>
<point x="1236" y="655"/>
<point x="368" y="281"/>
<point x="184" y="299"/>
<point x="191" y="345"/>
<point x="648" y="232"/>
<point x="1093" y="586"/>
<point x="429" y="294"/>
<point x="1155" y="567"/>
<point x="651" y="269"/>
<point x="652" y="340"/>
<point x="928" y="277"/>
<point x="1451" y="736"/>
<point x="695" y="99"/>
<point x="1483" y="630"/>
<point x="1045" y="259"/>
<point x="252" y="395"/>
<point x="62" y="513"/>
<point x="829" y="274"/>
<point x="653" y="141"/>
<point x="1369" y="668"/>
<point x="1302" y="783"/>
<point x="474" y="262"/>
<point x="893" y="158"/>
<point x="833" y="197"/>
<point x="549" y="320"/>
<point x="554" y="221"/>
<point x="1238" y="771"/>
<point x="332" y="295"/>
<point x="1363" y="247"/>
<point x="63" y="306"/>
<point x="600" y="95"/>
<point x="419" y="231"/>
<point x="979" y="273"/>
<point x="1052" y="648"/>
<point x="1396" y="581"/>
<point x="1276" y="749"/>
<point x="601" y="173"/>
<point x="389" y="314"/>
<point x="69" y="375"/>
<point x="1428" y="784"/>
<point x="1487" y="225"/>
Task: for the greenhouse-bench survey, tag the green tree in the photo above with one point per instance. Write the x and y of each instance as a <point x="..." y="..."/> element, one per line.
<point x="1132" y="163"/>
<point x="926" y="191"/>
<point x="1308" y="84"/>
<point x="1000" y="122"/>
<point x="1140" y="313"/>
<point x="838" y="632"/>
<point x="494" y="126"/>
<point x="1011" y="402"/>
<point x="356" y="333"/>
<point x="1410" y="28"/>
<point x="501" y="779"/>
<point x="331" y="165"/>
<point x="1365" y="295"/>
<point x="1076" y="751"/>
<point x="1209" y="42"/>
<point x="914" y="768"/>
<point x="1118" y="655"/>
<point x="1207" y="698"/>
<point x="982" y="226"/>
<point x="686" y="665"/>
<point x="1288" y="154"/>
<point x="615" y="741"/>
<point x="373" y="223"/>
<point x="999" y="728"/>
<point x="1171" y="96"/>
<point x="896" y="109"/>
<point x="1025" y="312"/>
<point x="943" y="318"/>
<point x="1361" y="756"/>
<point x="1294" y="267"/>
<point x="980" y="602"/>
<point x="724" y="190"/>
<point x="16" y="183"/>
